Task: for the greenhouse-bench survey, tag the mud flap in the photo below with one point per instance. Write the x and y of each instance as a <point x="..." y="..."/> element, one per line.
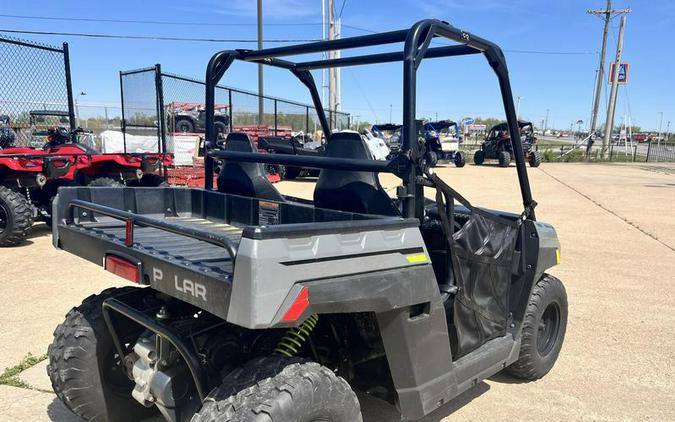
<point x="482" y="253"/>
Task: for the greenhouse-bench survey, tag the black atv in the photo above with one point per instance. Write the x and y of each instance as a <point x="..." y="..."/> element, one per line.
<point x="260" y="306"/>
<point x="498" y="145"/>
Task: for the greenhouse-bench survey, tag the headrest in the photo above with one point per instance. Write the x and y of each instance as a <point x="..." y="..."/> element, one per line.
<point x="347" y="145"/>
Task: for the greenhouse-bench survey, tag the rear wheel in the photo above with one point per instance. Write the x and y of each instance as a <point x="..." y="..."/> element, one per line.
<point x="275" y="388"/>
<point x="479" y="157"/>
<point x="543" y="330"/>
<point x="104" y="182"/>
<point x="84" y="366"/>
<point x="459" y="159"/>
<point x="534" y="158"/>
<point x="150" y="180"/>
<point x="16" y="217"/>
<point x="504" y="158"/>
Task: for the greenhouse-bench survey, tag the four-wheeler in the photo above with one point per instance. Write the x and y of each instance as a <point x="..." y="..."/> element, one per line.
<point x="498" y="145"/>
<point x="30" y="177"/>
<point x="442" y="141"/>
<point x="259" y="306"/>
<point x="189" y="117"/>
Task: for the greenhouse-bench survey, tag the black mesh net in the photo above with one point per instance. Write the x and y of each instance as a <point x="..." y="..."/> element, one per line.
<point x="33" y="89"/>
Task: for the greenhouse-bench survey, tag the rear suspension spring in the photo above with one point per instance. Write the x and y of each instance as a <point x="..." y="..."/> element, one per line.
<point x="295" y="338"/>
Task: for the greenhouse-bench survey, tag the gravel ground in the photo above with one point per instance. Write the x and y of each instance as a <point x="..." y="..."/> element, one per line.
<point x="617" y="231"/>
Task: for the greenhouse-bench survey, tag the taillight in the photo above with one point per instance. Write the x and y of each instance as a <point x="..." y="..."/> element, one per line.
<point x="299" y="305"/>
<point x="123" y="268"/>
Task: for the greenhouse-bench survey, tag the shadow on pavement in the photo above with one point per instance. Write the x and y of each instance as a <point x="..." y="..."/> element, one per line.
<point x="377" y="410"/>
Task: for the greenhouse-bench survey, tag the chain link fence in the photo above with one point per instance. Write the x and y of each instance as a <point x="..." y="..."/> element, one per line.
<point x="35" y="88"/>
<point x="165" y="106"/>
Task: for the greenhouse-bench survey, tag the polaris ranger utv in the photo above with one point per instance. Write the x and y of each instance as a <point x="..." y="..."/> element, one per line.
<point x="258" y="306"/>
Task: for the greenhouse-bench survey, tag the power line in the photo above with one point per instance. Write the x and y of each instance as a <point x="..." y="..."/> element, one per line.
<point x="151" y="37"/>
<point x="342" y="9"/>
<point x="153" y="22"/>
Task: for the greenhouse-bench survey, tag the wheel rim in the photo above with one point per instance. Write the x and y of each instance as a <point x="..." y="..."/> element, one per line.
<point x="4" y="217"/>
<point x="549" y="326"/>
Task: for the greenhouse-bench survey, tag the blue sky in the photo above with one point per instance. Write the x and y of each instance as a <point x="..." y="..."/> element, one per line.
<point x="453" y="88"/>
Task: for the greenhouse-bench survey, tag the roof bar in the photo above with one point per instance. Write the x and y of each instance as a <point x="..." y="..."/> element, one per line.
<point x="321" y="46"/>
<point x="396" y="56"/>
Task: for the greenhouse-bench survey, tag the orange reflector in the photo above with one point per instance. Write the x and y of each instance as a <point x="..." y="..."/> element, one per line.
<point x="122" y="268"/>
<point x="298" y="307"/>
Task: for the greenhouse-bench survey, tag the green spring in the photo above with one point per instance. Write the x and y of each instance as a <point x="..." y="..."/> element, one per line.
<point x="291" y="343"/>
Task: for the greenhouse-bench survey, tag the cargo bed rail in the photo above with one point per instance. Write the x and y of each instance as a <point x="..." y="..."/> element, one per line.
<point x="131" y="220"/>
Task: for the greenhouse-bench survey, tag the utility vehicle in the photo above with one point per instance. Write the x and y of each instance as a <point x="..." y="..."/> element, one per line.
<point x="498" y="145"/>
<point x="259" y="306"/>
<point x="390" y="132"/>
<point x="442" y="143"/>
<point x="30" y="177"/>
<point x="189" y="117"/>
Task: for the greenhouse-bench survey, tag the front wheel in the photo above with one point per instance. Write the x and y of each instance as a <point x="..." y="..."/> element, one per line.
<point x="459" y="159"/>
<point x="479" y="157"/>
<point x="275" y="388"/>
<point x="543" y="330"/>
<point x="16" y="217"/>
<point x="85" y="369"/>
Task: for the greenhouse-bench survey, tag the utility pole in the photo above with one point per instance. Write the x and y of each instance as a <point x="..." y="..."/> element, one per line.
<point x="518" y="107"/>
<point x="545" y="122"/>
<point x="611" y="108"/>
<point x="333" y="72"/>
<point x="261" y="102"/>
<point x="390" y="121"/>
<point x="606" y="14"/>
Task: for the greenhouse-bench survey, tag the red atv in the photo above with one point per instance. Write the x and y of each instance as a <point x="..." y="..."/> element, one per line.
<point x="30" y="177"/>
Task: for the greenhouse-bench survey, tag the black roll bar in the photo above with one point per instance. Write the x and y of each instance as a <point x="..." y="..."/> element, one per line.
<point x="417" y="41"/>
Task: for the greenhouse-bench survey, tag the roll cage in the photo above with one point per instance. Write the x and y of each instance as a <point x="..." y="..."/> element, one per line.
<point x="408" y="164"/>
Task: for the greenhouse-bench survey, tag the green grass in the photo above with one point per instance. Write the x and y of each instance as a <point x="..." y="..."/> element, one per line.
<point x="10" y="376"/>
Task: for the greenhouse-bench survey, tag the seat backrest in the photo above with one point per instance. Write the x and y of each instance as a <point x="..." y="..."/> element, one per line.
<point x="353" y="191"/>
<point x="245" y="179"/>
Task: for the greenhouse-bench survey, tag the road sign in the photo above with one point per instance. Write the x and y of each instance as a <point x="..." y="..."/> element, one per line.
<point x="623" y="73"/>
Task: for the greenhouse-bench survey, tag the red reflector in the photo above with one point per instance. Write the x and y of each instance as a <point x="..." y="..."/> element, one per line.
<point x="298" y="307"/>
<point x="123" y="268"/>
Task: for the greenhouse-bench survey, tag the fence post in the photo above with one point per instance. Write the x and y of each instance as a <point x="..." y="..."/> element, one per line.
<point x="306" y="120"/>
<point x="160" y="109"/>
<point x="229" y="99"/>
<point x="123" y="123"/>
<point x="69" y="86"/>
<point x="649" y="150"/>
<point x="634" y="152"/>
<point x="562" y="150"/>
<point x="275" y="118"/>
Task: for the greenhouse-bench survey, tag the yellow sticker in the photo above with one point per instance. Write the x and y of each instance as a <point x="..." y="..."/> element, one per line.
<point x="417" y="258"/>
<point x="557" y="256"/>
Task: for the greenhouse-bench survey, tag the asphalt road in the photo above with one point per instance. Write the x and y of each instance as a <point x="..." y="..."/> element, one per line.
<point x="617" y="230"/>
